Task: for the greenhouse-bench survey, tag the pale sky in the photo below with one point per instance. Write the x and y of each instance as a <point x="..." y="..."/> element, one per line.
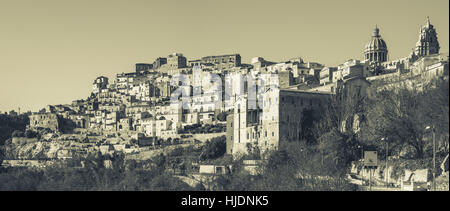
<point x="52" y="50"/>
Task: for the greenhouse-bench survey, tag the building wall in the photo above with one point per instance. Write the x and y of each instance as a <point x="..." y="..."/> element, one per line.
<point x="279" y="120"/>
<point x="45" y="120"/>
<point x="292" y="107"/>
<point x="285" y="79"/>
<point x="124" y="124"/>
<point x="194" y="63"/>
<point x="191" y="118"/>
<point x="100" y="83"/>
<point x="175" y="61"/>
<point x="229" y="134"/>
<point x="326" y="75"/>
<point x="143" y="67"/>
<point x="223" y="61"/>
<point x="159" y="62"/>
<point x="160" y="128"/>
<point x="80" y="121"/>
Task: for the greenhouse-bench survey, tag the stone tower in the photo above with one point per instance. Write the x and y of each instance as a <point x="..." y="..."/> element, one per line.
<point x="427" y="43"/>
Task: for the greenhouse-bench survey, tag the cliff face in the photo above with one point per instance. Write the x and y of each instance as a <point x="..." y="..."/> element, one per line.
<point x="34" y="151"/>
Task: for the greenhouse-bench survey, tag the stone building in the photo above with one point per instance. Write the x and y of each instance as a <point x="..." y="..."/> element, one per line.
<point x="160" y="61"/>
<point x="223" y="61"/>
<point x="259" y="63"/>
<point x="143" y="67"/>
<point x="79" y="121"/>
<point x="161" y="128"/>
<point x="283" y="114"/>
<point x="285" y="79"/>
<point x="175" y="61"/>
<point x="124" y="124"/>
<point x="124" y="81"/>
<point x="229" y="135"/>
<point x="279" y="119"/>
<point x="100" y="83"/>
<point x="111" y="120"/>
<point x="423" y="64"/>
<point x="428" y="43"/>
<point x="45" y="120"/>
<point x="326" y="75"/>
<point x="350" y="69"/>
<point x="346" y="86"/>
<point x="195" y="63"/>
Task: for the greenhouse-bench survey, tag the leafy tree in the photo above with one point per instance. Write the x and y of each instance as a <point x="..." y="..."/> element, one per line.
<point x="278" y="158"/>
<point x="336" y="151"/>
<point x="214" y="149"/>
<point x="160" y="162"/>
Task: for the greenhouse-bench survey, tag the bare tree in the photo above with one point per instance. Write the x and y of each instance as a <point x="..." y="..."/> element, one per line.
<point x="401" y="116"/>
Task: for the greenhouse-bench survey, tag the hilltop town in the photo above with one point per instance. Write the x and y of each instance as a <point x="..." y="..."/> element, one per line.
<point x="135" y="114"/>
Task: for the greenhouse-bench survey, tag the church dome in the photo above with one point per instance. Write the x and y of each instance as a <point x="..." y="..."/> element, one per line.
<point x="376" y="50"/>
<point x="377" y="43"/>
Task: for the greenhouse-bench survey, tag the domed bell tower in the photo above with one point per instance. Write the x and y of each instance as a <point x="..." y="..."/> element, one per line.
<point x="428" y="43"/>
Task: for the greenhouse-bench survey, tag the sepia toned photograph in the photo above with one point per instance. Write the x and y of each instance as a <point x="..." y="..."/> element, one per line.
<point x="202" y="96"/>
